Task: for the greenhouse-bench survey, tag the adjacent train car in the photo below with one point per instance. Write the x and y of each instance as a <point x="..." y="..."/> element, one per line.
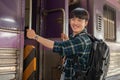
<point x="11" y="40"/>
<point x="25" y="59"/>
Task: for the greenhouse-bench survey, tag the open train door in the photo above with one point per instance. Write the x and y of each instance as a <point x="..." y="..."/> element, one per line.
<point x="55" y="22"/>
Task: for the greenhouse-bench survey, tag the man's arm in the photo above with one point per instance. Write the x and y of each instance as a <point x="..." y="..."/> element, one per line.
<point x="46" y="42"/>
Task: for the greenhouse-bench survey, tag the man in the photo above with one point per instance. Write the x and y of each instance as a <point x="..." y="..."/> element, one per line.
<point x="76" y="48"/>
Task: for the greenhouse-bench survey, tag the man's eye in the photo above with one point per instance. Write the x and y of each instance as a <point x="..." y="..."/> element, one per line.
<point x="80" y="20"/>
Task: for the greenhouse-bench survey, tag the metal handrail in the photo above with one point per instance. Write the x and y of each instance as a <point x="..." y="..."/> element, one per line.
<point x="30" y="15"/>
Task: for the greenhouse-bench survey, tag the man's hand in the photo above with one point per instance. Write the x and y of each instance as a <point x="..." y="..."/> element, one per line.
<point x="64" y="36"/>
<point x="31" y="34"/>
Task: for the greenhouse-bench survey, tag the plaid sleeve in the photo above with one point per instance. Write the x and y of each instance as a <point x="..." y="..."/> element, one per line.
<point x="58" y="48"/>
<point x="69" y="47"/>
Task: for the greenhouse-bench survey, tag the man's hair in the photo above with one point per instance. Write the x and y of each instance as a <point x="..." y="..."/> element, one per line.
<point x="80" y="13"/>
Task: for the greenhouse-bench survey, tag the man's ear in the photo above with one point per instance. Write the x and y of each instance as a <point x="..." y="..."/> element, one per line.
<point x="86" y="23"/>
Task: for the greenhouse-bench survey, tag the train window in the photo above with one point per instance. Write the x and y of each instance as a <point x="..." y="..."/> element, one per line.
<point x="10" y="14"/>
<point x="73" y="4"/>
<point x="109" y="23"/>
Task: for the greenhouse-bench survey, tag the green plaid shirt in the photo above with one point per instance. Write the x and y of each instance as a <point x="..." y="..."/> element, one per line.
<point x="78" y="47"/>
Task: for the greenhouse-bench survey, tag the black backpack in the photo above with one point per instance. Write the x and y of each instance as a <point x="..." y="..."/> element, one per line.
<point x="98" y="61"/>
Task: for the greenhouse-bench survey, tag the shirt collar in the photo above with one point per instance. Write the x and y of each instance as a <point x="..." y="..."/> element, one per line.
<point x="83" y="31"/>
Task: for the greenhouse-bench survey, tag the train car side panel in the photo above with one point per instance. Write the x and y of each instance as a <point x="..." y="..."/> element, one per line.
<point x="12" y="39"/>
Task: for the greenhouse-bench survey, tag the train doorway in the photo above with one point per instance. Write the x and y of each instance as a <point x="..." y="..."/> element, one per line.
<point x="31" y="47"/>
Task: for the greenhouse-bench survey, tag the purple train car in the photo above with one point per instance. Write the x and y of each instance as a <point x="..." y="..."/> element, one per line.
<point x="11" y="39"/>
<point x="25" y="59"/>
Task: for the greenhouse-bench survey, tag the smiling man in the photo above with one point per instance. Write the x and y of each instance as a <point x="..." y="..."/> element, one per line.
<point x="76" y="48"/>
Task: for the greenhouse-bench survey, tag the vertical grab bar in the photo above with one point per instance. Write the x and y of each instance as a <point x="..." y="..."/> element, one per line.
<point x="30" y="15"/>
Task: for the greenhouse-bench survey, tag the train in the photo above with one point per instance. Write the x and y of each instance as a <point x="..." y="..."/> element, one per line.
<point x="25" y="59"/>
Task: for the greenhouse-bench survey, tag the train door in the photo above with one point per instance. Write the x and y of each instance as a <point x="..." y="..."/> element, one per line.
<point x="55" y="22"/>
<point x="31" y="51"/>
<point x="11" y="39"/>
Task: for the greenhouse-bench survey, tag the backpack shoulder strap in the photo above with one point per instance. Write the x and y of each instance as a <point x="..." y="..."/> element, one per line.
<point x="93" y="38"/>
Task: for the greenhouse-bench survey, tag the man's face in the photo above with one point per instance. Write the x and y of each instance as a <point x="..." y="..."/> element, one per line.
<point x="77" y="24"/>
